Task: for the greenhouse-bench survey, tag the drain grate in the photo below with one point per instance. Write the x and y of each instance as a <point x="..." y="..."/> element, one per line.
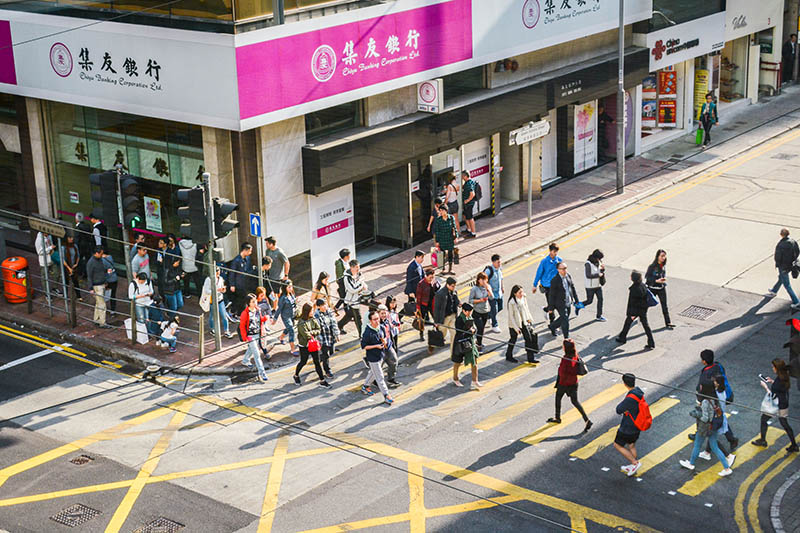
<point x="161" y="525"/>
<point x="75" y="515"/>
<point x="697" y="312"/>
<point x="658" y="219"/>
<point x="81" y="460"/>
<point x="784" y="156"/>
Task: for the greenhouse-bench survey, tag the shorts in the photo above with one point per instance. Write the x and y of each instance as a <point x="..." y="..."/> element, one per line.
<point x="457" y="358"/>
<point x="468" y="210"/>
<point x="625" y="438"/>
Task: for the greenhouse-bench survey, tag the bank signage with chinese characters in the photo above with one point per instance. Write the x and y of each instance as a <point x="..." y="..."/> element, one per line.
<point x="675" y="44"/>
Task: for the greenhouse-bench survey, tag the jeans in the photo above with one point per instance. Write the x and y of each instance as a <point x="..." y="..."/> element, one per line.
<point x="783" y="279"/>
<point x="223" y="316"/>
<point x="699" y="445"/>
<point x="376" y="374"/>
<point x="530" y="345"/>
<point x="141" y="313"/>
<point x="304" y="353"/>
<point x="480" y="325"/>
<point x="172" y="341"/>
<point x="252" y="353"/>
<point x="590" y="294"/>
<point x="288" y="328"/>
<point x="174" y="301"/>
<point x="623" y="335"/>
<point x="495" y="306"/>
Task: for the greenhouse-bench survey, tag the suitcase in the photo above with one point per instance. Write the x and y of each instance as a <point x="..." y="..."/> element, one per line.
<point x="435" y="338"/>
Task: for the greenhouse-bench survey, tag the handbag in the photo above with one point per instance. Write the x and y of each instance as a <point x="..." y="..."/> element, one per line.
<point x="698" y="138"/>
<point x="582" y="370"/>
<point x="769" y="405"/>
<point x="313" y="345"/>
<point x="456" y="259"/>
<point x="463" y="346"/>
<point x="652" y="299"/>
<point x="435" y="338"/>
<point x="602" y="280"/>
<point x="418" y="324"/>
<point x="410" y="308"/>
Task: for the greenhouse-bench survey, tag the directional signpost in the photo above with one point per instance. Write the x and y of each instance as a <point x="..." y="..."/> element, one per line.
<point x="255" y="231"/>
<point x="255" y="225"/>
<point x="528" y="134"/>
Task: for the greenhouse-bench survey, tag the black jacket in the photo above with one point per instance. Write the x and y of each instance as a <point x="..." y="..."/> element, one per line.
<point x="654" y="272"/>
<point x="637" y="300"/>
<point x="84" y="239"/>
<point x="239" y="267"/>
<point x="786" y="252"/>
<point x="629" y="405"/>
<point x="557" y="296"/>
<point x="440" y="304"/>
<point x="96" y="272"/>
<point x="786" y="51"/>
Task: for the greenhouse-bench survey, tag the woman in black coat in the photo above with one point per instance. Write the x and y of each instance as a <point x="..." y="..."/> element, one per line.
<point x="637" y="308"/>
<point x="656" y="278"/>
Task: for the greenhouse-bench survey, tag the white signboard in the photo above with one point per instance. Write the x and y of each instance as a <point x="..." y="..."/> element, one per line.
<point x="675" y="44"/>
<point x="187" y="76"/>
<point x="331" y="222"/>
<point x="476" y="162"/>
<point x="743" y="17"/>
<point x="528" y="133"/>
<point x="430" y="96"/>
<point x="585" y="136"/>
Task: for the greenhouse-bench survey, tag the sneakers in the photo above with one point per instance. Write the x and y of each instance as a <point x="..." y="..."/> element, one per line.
<point x="228" y="335"/>
<point x="734" y="444"/>
<point x="296" y="379"/>
<point x="647" y="347"/>
<point x="329" y="375"/>
<point x="726" y="472"/>
<point x="620" y="341"/>
<point x="393" y="383"/>
<point x="495" y="329"/>
<point x="731" y="458"/>
<point x="634" y="468"/>
<point x="770" y="294"/>
<point x="248" y="366"/>
<point x="457" y="383"/>
<point x="686" y="464"/>
<point x="172" y="349"/>
<point x="474" y="386"/>
<point x="324" y="384"/>
<point x="388" y="400"/>
<point x="759" y="442"/>
<point x="601" y="319"/>
<point x="705" y="455"/>
<point x="263" y="379"/>
<point x="366" y="390"/>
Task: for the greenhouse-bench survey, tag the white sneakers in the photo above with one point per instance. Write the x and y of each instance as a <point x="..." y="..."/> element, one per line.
<point x="686" y="464"/>
<point x="495" y="329"/>
<point x="726" y="472"/>
<point x="731" y="458"/>
<point x="770" y="294"/>
<point x="457" y="383"/>
<point x="723" y="473"/>
<point x="705" y="455"/>
<point x="631" y="470"/>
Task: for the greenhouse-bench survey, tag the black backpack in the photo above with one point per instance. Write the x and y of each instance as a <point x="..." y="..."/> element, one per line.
<point x="478" y="191"/>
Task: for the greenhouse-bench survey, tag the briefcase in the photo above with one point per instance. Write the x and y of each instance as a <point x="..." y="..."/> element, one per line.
<point x="435" y="338"/>
<point x="409" y="308"/>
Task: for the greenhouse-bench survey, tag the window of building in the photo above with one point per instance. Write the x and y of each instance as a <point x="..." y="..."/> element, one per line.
<point x="333" y="119"/>
<point x="671" y="12"/>
<point x="464" y="82"/>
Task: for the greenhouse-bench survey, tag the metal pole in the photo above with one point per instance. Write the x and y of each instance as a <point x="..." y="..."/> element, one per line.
<point x="63" y="278"/>
<point x="125" y="240"/>
<point x="46" y="277"/>
<point x="73" y="311"/>
<point x="134" y="323"/>
<point x="279" y="12"/>
<point x="213" y="269"/>
<point x="530" y="185"/>
<point x="260" y="252"/>
<point x="201" y="333"/>
<point x="621" y="114"/>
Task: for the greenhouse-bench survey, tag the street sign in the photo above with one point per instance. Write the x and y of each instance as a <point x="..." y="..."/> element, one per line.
<point x="52" y="227"/>
<point x="529" y="133"/>
<point x="255" y="225"/>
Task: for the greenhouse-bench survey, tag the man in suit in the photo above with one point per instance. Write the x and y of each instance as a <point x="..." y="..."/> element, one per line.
<point x="414" y="274"/>
<point x="788" y="53"/>
<point x="561" y="297"/>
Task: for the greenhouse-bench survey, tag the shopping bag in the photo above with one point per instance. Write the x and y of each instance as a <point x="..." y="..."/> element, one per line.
<point x="698" y="139"/>
<point x="141" y="331"/>
<point x="652" y="299"/>
<point x="769" y="405"/>
<point x="435" y="257"/>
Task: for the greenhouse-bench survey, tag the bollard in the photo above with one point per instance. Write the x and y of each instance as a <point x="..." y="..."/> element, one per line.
<point x="134" y="324"/>
<point x="29" y="290"/>
<point x="72" y="311"/>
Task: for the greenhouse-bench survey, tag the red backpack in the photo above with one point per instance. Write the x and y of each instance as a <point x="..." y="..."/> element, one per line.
<point x="644" y="419"/>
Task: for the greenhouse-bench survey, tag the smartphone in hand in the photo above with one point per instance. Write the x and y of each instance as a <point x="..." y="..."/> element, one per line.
<point x="763" y="378"/>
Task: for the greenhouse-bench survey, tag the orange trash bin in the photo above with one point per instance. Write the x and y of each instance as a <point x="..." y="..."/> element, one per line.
<point x="15" y="279"/>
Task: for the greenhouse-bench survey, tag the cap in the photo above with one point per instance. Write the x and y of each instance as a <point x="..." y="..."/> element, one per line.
<point x="466" y="307"/>
<point x="382" y="307"/>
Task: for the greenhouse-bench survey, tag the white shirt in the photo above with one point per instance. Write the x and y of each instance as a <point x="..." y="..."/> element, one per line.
<point x="136" y="289"/>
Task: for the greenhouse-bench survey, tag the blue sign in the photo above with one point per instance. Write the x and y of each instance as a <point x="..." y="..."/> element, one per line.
<point x="255" y="224"/>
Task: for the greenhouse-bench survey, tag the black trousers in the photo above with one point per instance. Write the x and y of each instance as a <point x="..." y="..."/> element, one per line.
<point x="340" y="292"/>
<point x="572" y="393"/>
<point x="448" y="259"/>
<point x="195" y="277"/>
<point x="784" y="424"/>
<point x="590" y="294"/>
<point x="707" y="125"/>
<point x="304" y="353"/>
<point x="480" y="325"/>
<point x="562" y="321"/>
<point x="623" y="335"/>
<point x="661" y="294"/>
<point x="530" y="350"/>
<point x="112" y="303"/>
<point x="325" y="353"/>
<point x="351" y="313"/>
<point x="425" y="312"/>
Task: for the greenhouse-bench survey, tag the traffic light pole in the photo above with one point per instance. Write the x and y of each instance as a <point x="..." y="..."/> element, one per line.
<point x="125" y="240"/>
<point x="213" y="266"/>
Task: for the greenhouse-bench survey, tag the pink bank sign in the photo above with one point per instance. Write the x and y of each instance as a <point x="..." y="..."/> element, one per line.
<point x="301" y="68"/>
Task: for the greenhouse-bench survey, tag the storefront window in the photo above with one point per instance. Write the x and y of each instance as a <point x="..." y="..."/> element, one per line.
<point x="733" y="70"/>
<point x="663" y="96"/>
<point x="168" y="155"/>
<point x="10" y="156"/>
<point x="671" y="12"/>
<point x="333" y="119"/>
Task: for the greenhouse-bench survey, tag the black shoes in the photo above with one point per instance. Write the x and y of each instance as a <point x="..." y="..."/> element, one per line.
<point x="554" y="420"/>
<point x="620" y="341"/>
<point x="793" y="449"/>
<point x="297" y="379"/>
<point x="648" y="347"/>
<point x="760" y="442"/>
<point x="588" y="426"/>
<point x="511" y="360"/>
<point x="734" y="444"/>
<point x="393" y="383"/>
<point x="692" y="435"/>
<point x="670" y="325"/>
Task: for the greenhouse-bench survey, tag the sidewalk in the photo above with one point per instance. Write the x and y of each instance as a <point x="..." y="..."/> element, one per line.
<point x="563" y="209"/>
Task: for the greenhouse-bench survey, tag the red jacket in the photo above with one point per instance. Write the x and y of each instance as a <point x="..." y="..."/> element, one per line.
<point x="244" y="324"/>
<point x="425" y="293"/>
<point x="568" y="372"/>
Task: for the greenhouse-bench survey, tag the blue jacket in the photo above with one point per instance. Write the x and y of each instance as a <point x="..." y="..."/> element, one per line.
<point x="495" y="281"/>
<point x="286" y="309"/>
<point x="629" y="405"/>
<point x="372" y="337"/>
<point x="414" y="275"/>
<point x="547" y="269"/>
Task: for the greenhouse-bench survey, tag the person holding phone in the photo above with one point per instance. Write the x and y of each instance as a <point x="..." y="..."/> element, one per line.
<point x="779" y="387"/>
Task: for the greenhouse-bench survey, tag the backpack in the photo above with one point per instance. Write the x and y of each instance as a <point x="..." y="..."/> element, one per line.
<point x="644" y="419"/>
<point x="716" y="422"/>
<point x="478" y="191"/>
<point x="490" y="275"/>
<point x="728" y="389"/>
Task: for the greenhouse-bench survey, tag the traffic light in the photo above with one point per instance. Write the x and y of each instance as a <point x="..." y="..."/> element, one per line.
<point x="104" y="192"/>
<point x="132" y="208"/>
<point x="222" y="224"/>
<point x="192" y="211"/>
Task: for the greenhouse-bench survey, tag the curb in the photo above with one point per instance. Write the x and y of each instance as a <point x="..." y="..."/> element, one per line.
<point x="777" y="500"/>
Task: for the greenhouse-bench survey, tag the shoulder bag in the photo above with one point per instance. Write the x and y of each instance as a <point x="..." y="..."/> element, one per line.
<point x="769" y="405"/>
<point x="582" y="370"/>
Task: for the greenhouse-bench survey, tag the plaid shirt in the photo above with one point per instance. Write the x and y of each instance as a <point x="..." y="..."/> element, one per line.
<point x="329" y="329"/>
<point x="445" y="232"/>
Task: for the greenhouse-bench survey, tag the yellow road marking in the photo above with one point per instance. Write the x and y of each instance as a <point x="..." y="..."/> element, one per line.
<point x="709" y="476"/>
<point x="274" y="480"/>
<point x="249" y="411"/>
<point x="577" y="522"/>
<point x="452" y="405"/>
<point x="752" y="506"/>
<point x="416" y="491"/>
<point x="149" y="466"/>
<point x="514" y="410"/>
<point x="738" y="504"/>
<point x="40" y="339"/>
<point x="593" y="403"/>
<point x="111" y="363"/>
<point x="607" y="438"/>
<point x="431" y="382"/>
<point x="666" y="450"/>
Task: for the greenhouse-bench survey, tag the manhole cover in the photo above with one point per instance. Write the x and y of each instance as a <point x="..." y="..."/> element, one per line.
<point x="161" y="525"/>
<point x="658" y="219"/>
<point x="75" y="515"/>
<point x="697" y="312"/>
<point x="81" y="460"/>
<point x="784" y="156"/>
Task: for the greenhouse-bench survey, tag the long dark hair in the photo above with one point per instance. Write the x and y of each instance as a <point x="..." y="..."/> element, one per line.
<point x="782" y="370"/>
<point x="305" y="313"/>
<point x="659" y="252"/>
<point x="285" y="287"/>
<point x="569" y="349"/>
<point x="318" y="285"/>
<point x="514" y="290"/>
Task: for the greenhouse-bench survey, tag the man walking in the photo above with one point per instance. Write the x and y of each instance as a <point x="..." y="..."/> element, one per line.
<point x="445" y="309"/>
<point x="786" y="254"/>
<point x="544" y="273"/>
<point x="628" y="433"/>
<point x="426" y="290"/>
<point x="237" y="278"/>
<point x="353" y="289"/>
<point x="97" y="276"/>
<point x="279" y="271"/>
<point x="637" y="308"/>
<point x="469" y="199"/>
<point x="562" y="297"/>
<point x="414" y="275"/>
<point x="788" y="54"/>
<point x="390" y="352"/>
<point x="495" y="275"/>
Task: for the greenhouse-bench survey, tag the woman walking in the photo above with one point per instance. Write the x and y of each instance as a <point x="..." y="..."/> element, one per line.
<point x="704" y="413"/>
<point x="708" y="117"/>
<point x="394" y="320"/>
<point x="308" y="330"/>
<point x="464" y="349"/>
<point x="479" y="296"/>
<point x="567" y="383"/>
<point x="520" y="321"/>
<point x="451" y="194"/>
<point x="287" y="310"/>
<point x="656" y="278"/>
<point x="637" y="308"/>
<point x="595" y="278"/>
<point x="322" y="290"/>
<point x="262" y="297"/>
<point x="445" y="235"/>
<point x="779" y="388"/>
<point x="249" y="330"/>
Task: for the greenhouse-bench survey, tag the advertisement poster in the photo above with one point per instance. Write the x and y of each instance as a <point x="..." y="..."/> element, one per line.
<point x="152" y="214"/>
<point x="649" y="87"/>
<point x="476" y="162"/>
<point x="667" y="84"/>
<point x="585" y="136"/>
<point x="649" y="111"/>
<point x="700" y="90"/>
<point x="667" y="110"/>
